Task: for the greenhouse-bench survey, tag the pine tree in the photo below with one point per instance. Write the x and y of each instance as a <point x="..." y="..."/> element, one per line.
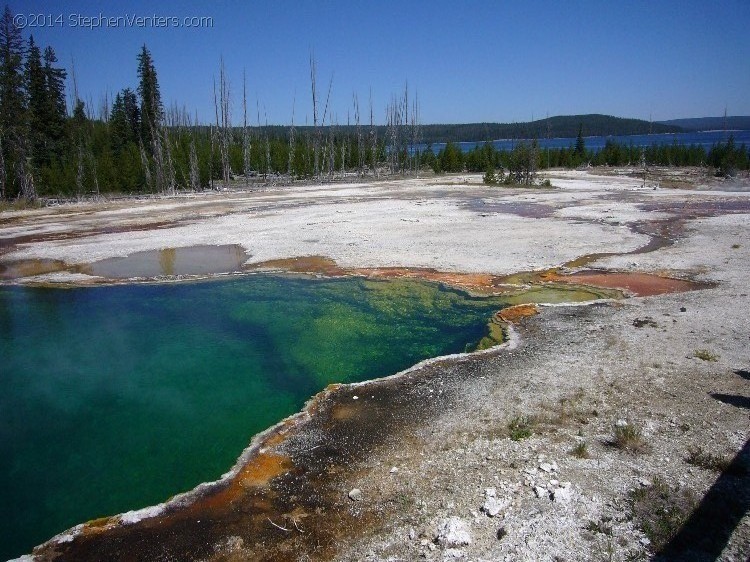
<point x="125" y="120"/>
<point x="55" y="113"/>
<point x="580" y="149"/>
<point x="152" y="111"/>
<point x="12" y="107"/>
<point x="118" y="124"/>
<point x="37" y="106"/>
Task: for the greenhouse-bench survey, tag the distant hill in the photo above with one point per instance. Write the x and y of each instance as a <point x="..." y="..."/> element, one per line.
<point x="711" y="123"/>
<point x="559" y="126"/>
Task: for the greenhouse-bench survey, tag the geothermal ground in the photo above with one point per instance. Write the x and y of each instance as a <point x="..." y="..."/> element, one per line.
<point x="617" y="430"/>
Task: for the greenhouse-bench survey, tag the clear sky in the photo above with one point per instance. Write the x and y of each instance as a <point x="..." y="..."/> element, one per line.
<point x="469" y="61"/>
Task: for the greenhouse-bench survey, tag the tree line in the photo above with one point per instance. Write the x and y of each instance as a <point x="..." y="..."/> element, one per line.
<point x="520" y="164"/>
<point x="137" y="145"/>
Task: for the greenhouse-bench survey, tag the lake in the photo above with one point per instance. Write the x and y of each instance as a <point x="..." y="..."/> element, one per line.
<point x="705" y="139"/>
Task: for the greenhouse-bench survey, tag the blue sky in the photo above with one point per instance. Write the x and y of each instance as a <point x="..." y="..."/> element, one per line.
<point x="469" y="61"/>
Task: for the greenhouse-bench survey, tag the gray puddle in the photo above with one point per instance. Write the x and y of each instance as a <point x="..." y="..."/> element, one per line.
<point x="168" y="262"/>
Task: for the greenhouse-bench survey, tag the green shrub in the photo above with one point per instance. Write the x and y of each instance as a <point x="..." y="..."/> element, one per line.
<point x="580" y="451"/>
<point x="629" y="437"/>
<point x="705" y="355"/>
<point x="521" y="427"/>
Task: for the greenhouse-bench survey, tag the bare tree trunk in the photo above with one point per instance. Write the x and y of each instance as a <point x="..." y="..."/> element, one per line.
<point x="373" y="141"/>
<point x="23" y="174"/>
<point x="144" y="163"/>
<point x="344" y="142"/>
<point x="330" y="150"/>
<point x="214" y="133"/>
<point x="3" y="171"/>
<point x="92" y="159"/>
<point x="403" y="148"/>
<point x="292" y="140"/>
<point x="169" y="173"/>
<point x="415" y="135"/>
<point x="245" y="136"/>
<point x="195" y="180"/>
<point x="79" y="171"/>
<point x="156" y="151"/>
<point x="327" y="113"/>
<point x="360" y="147"/>
<point x="268" y="145"/>
<point x="28" y="191"/>
<point x="225" y="125"/>
<point x="316" y="132"/>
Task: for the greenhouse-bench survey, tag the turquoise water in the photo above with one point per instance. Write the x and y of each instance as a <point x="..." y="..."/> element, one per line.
<point x="114" y="398"/>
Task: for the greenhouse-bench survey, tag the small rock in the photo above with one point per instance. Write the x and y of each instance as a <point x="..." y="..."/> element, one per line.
<point x="394" y="470"/>
<point x="547" y="467"/>
<point x="452" y="554"/>
<point x="683" y="309"/>
<point x="645" y="482"/>
<point x="355" y="495"/>
<point x="645" y="541"/>
<point x="621" y="423"/>
<point x="355" y="397"/>
<point x="412" y="534"/>
<point x="492" y="506"/>
<point x="561" y="495"/>
<point x="540" y="492"/>
<point x="490" y="492"/>
<point x="554" y="483"/>
<point x="453" y="532"/>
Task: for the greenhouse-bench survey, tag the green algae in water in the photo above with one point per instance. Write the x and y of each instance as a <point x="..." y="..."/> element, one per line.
<point x="114" y="398"/>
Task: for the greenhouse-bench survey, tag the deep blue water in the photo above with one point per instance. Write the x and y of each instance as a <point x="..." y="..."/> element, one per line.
<point x="705" y="139"/>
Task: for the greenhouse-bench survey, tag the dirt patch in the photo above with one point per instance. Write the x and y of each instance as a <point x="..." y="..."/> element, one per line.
<point x="516" y="313"/>
<point x="28" y="268"/>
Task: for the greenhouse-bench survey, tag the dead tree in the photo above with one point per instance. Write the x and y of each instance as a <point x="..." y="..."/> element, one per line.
<point x="326" y="113"/>
<point x="195" y="179"/>
<point x="292" y="140"/>
<point x="28" y="191"/>
<point x="344" y="151"/>
<point x="245" y="135"/>
<point x="373" y="141"/>
<point x="268" y="144"/>
<point x="3" y="172"/>
<point x="316" y="131"/>
<point x="393" y="120"/>
<point x="221" y="112"/>
<point x="360" y="147"/>
<point x="224" y="128"/>
<point x="145" y="164"/>
<point x="416" y="135"/>
<point x="403" y="148"/>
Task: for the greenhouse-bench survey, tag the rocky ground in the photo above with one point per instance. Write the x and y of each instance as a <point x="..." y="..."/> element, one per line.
<point x="618" y="430"/>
